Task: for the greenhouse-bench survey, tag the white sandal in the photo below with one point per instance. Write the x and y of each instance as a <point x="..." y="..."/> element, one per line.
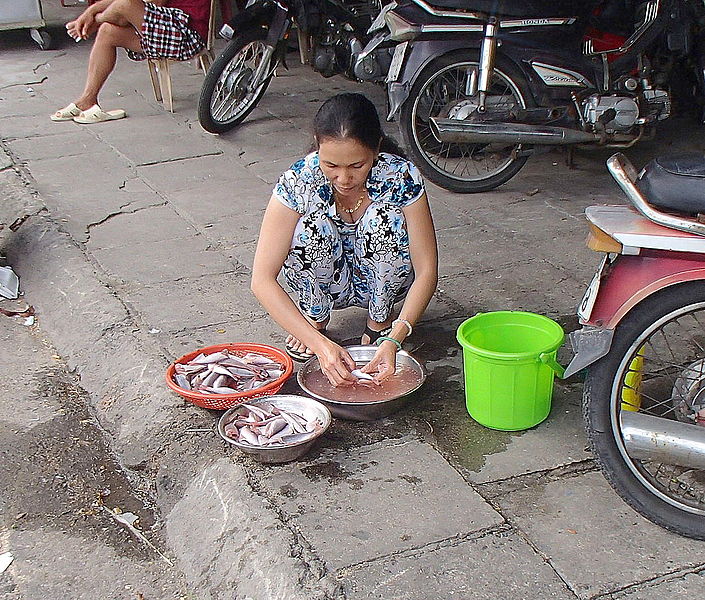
<point x="67" y="113"/>
<point x="95" y="114"/>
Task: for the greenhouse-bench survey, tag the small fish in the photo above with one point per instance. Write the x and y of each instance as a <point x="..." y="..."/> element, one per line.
<point x="206" y="359"/>
<point x="241" y="373"/>
<point x="297" y="437"/>
<point x="182" y="381"/>
<point x="209" y="380"/>
<point x="232" y="431"/>
<point x="223" y="389"/>
<point x="189" y="369"/>
<point x="360" y="375"/>
<point x="234" y="361"/>
<point x="258" y="412"/>
<point x="274" y="427"/>
<point x="248" y="436"/>
<point x="224" y="370"/>
<point x="256" y="359"/>
<point x="220" y="370"/>
<point x="265" y="425"/>
<point x="293" y="422"/>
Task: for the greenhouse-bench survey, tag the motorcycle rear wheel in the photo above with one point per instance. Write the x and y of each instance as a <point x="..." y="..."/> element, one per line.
<point x="658" y="342"/>
<point x="226" y="98"/>
<point x="463" y="168"/>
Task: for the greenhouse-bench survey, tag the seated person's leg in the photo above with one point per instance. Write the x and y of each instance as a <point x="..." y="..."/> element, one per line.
<point x="124" y="13"/>
<point x="117" y="26"/>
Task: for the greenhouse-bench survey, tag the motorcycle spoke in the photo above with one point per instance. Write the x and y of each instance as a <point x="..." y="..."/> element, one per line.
<point x="233" y="94"/>
<point x="669" y="384"/>
<point x="654" y="404"/>
<point x="684" y="483"/>
<point x="224" y="107"/>
<point x="441" y="94"/>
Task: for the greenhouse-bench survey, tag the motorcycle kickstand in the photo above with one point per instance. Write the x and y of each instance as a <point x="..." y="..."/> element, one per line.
<point x="570" y="157"/>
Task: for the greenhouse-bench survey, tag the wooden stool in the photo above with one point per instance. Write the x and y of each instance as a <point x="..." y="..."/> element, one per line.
<point x="159" y="68"/>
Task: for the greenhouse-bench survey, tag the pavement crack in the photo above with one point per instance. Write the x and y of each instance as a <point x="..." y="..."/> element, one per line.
<point x="121" y="212"/>
<point x="503" y="487"/>
<point x="301" y="548"/>
<point x="179" y="159"/>
<point x="559" y="210"/>
<point x="654" y="582"/>
<point x="39" y="66"/>
<point x="416" y="551"/>
<point x="17" y="223"/>
<point x="42" y="80"/>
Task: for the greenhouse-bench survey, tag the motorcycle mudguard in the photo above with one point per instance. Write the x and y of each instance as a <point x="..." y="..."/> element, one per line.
<point x="625" y="283"/>
<point x="631" y="279"/>
<point x="256" y="15"/>
<point x="420" y="53"/>
<point x="269" y="13"/>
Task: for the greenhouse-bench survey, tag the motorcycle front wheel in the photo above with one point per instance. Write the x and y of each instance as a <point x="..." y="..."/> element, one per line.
<point x="656" y="367"/>
<point x="229" y="94"/>
<point x="443" y="86"/>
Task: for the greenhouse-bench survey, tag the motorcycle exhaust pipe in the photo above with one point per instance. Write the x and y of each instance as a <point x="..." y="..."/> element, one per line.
<point x="663" y="440"/>
<point x="465" y="132"/>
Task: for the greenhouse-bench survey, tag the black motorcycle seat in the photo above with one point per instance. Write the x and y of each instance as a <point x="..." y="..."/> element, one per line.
<point x="675" y="183"/>
<point x="526" y="9"/>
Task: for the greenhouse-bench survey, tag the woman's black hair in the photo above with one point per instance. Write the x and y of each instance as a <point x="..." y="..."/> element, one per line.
<point x="352" y="116"/>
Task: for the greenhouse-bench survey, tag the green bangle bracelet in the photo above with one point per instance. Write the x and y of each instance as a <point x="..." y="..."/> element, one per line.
<point x="384" y="338"/>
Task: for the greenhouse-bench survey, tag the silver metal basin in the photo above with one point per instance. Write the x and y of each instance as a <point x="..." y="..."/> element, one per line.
<point x="307" y="407"/>
<point x="363" y="411"/>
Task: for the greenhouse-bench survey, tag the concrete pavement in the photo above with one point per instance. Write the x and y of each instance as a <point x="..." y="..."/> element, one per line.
<point x="136" y="246"/>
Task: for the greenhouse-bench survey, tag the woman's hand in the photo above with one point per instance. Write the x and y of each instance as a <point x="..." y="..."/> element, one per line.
<point x="383" y="363"/>
<point x="336" y="364"/>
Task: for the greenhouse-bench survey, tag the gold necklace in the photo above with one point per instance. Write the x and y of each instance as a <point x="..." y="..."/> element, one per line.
<point x="350" y="211"/>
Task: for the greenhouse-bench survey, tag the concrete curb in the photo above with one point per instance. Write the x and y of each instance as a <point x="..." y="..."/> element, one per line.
<point x="226" y="538"/>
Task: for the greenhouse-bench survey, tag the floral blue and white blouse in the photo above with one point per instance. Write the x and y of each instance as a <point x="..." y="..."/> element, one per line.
<point x="336" y="264"/>
<point x="305" y="189"/>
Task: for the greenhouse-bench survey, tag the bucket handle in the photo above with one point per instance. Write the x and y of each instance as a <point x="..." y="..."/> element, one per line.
<point x="547" y="359"/>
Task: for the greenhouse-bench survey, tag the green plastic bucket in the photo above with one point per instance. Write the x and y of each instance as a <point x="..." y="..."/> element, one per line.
<point x="509" y="360"/>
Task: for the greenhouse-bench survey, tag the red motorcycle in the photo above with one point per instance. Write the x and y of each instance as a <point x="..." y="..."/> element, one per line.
<point x="643" y="341"/>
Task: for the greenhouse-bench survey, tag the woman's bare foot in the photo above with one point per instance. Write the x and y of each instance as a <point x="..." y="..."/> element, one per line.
<point x="82" y="28"/>
<point x="295" y="346"/>
<point x="297" y="349"/>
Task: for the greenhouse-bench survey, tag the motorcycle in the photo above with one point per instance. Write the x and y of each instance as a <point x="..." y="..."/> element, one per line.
<point x="643" y="341"/>
<point x="480" y="86"/>
<point x="331" y="35"/>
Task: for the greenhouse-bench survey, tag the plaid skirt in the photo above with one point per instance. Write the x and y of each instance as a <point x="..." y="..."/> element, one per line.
<point x="165" y="34"/>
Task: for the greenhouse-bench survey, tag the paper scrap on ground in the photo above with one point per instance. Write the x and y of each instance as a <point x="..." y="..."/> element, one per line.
<point x="9" y="283"/>
<point x="5" y="561"/>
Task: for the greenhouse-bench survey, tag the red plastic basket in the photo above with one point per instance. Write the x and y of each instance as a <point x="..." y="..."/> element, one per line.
<point x="225" y="401"/>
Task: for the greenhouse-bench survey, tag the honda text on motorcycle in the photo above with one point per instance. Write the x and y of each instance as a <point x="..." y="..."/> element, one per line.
<point x="643" y="341"/>
<point x="480" y="85"/>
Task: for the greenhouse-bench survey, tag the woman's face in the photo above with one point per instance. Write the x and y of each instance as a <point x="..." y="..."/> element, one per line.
<point x="346" y="163"/>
